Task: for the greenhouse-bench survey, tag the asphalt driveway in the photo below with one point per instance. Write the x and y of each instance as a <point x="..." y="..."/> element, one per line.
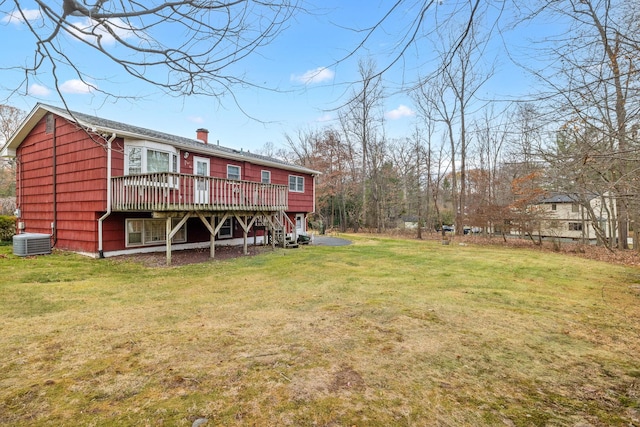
<point x="329" y="241"/>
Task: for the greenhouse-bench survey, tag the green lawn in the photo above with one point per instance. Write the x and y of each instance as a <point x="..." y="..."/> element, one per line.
<point x="382" y="332"/>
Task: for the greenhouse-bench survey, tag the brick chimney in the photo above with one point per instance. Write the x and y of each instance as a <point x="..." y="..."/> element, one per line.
<point x="202" y="135"/>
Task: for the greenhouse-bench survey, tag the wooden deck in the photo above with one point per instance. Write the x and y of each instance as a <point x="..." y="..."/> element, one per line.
<point x="160" y="192"/>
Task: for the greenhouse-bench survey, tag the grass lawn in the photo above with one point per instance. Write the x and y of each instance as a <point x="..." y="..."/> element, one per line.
<point x="379" y="333"/>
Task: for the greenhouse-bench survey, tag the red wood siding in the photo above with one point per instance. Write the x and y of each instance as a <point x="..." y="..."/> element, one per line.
<point x="298" y="202"/>
<point x="81" y="181"/>
<point x="80" y="185"/>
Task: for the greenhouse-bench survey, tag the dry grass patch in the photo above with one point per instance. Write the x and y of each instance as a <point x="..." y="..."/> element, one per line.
<point x="382" y="332"/>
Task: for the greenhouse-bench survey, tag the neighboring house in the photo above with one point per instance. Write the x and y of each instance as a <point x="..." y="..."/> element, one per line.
<point x="566" y="217"/>
<point x="105" y="188"/>
<point x="409" y="222"/>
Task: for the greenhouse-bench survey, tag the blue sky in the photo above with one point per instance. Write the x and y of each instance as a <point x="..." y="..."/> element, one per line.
<point x="301" y="64"/>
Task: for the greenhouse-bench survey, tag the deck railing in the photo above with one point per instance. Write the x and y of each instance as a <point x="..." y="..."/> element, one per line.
<point x="179" y="192"/>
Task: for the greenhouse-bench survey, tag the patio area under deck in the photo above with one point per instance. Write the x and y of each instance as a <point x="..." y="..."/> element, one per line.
<point x="247" y="219"/>
<point x="170" y="195"/>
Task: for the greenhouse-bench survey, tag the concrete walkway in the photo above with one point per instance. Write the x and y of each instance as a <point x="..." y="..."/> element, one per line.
<point x="329" y="241"/>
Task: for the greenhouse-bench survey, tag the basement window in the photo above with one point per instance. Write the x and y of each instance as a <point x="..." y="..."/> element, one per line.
<point x="227" y="229"/>
<point x="142" y="232"/>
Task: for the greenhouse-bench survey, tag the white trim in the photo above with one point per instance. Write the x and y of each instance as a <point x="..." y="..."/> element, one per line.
<point x="303" y="222"/>
<point x="178" y="247"/>
<point x="174" y="154"/>
<point x="298" y="178"/>
<point x="142" y="232"/>
<point x="239" y="178"/>
<point x="201" y="192"/>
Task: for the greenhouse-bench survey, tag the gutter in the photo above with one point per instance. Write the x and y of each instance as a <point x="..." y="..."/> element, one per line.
<point x="108" y="212"/>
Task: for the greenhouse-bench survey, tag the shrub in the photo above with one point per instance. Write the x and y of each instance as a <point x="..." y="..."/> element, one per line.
<point x="7" y="227"/>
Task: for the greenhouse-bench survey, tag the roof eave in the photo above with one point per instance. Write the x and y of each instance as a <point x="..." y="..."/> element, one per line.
<point x="202" y="150"/>
<point x="40" y="110"/>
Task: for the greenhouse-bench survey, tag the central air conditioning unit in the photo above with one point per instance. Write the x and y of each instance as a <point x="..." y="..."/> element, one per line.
<point x="27" y="244"/>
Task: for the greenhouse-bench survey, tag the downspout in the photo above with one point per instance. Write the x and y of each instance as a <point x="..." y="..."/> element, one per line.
<point x="314" y="194"/>
<point x="54" y="185"/>
<point x="108" y="212"/>
<point x="18" y="211"/>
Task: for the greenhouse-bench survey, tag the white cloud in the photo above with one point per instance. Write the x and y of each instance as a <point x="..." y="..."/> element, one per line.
<point x="76" y="86"/>
<point x="38" y="90"/>
<point x="87" y="29"/>
<point x="400" y="112"/>
<point x="318" y="75"/>
<point x="16" y="18"/>
<point x="324" y="118"/>
<point x="196" y="119"/>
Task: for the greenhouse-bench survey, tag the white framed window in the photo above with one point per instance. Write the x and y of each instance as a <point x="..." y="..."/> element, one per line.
<point x="233" y="172"/>
<point x="143" y="231"/>
<point x="149" y="157"/>
<point x="134" y="232"/>
<point x="227" y="229"/>
<point x="265" y="177"/>
<point x="296" y="183"/>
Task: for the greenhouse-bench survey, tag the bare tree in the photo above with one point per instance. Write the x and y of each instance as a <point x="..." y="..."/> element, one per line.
<point x="490" y="131"/>
<point x="337" y="185"/>
<point x="182" y="47"/>
<point x="595" y="80"/>
<point x="361" y="118"/>
<point x="10" y="120"/>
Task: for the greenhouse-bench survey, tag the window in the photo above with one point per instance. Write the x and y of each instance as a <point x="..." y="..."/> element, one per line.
<point x="227" y="229"/>
<point x="265" y="177"/>
<point x="554" y="224"/>
<point x="575" y="226"/>
<point x="575" y="207"/>
<point x="134" y="232"/>
<point x="135" y="160"/>
<point x="296" y="183"/>
<point x="148" y="157"/>
<point x="233" y="172"/>
<point x="142" y="232"/>
<point x="554" y="207"/>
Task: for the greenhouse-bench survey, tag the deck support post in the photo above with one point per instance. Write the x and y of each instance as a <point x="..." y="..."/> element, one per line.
<point x="245" y="249"/>
<point x="213" y="229"/>
<point x="246" y="226"/>
<point x="168" y="234"/>
<point x="212" y="247"/>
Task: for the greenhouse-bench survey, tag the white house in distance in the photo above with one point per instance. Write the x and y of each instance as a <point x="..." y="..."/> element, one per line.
<point x="568" y="216"/>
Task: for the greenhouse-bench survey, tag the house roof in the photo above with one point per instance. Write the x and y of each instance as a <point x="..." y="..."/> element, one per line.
<point x="566" y="198"/>
<point x="124" y="130"/>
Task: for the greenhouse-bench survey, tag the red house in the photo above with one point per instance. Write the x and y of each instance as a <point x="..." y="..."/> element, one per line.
<point x="105" y="188"/>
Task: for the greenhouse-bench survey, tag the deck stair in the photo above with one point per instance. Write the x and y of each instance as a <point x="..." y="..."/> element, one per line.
<point x="288" y="241"/>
